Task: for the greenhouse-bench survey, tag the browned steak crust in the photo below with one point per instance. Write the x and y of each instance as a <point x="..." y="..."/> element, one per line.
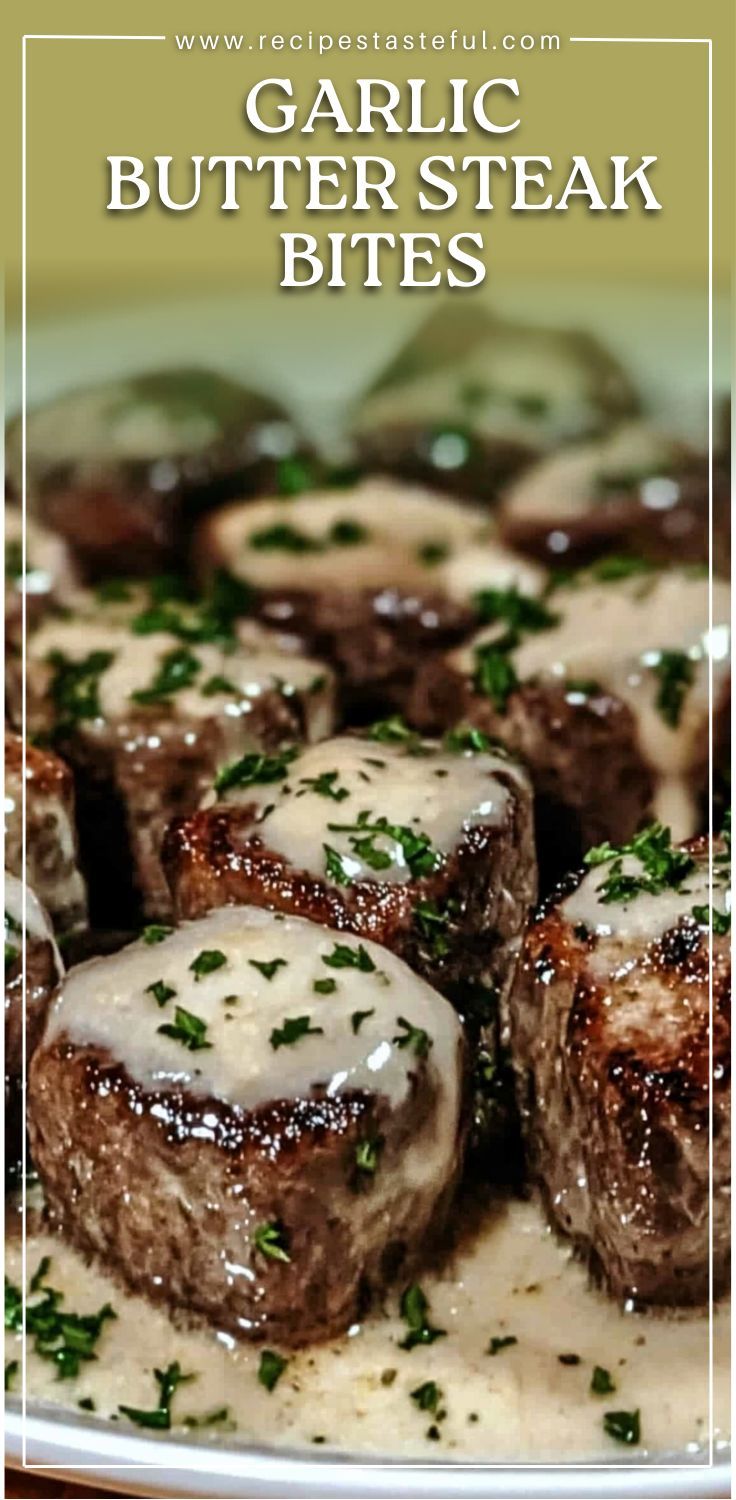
<point x="51" y="839"/>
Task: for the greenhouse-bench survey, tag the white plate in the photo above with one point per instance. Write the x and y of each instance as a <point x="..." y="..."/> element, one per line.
<point x="655" y="337"/>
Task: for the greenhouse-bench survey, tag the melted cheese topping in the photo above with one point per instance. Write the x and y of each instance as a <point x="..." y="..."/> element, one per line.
<point x="137" y="659"/>
<point x="615" y="634"/>
<point x="105" y="1003"/>
<point x="353" y="1396"/>
<point x="566" y="485"/>
<point x="395" y="522"/>
<point x="645" y="916"/>
<point x="434" y="793"/>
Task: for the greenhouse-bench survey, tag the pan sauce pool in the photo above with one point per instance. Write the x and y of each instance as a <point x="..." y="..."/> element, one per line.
<point x="514" y="1281"/>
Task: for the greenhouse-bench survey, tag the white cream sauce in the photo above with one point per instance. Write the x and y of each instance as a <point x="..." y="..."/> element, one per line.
<point x="354" y="1394"/>
<point x="566" y="485"/>
<point x="37" y="922"/>
<point x="115" y="422"/>
<point x="646" y="915"/>
<point x="397" y="522"/>
<point x="62" y="886"/>
<point x="615" y="634"/>
<point x="49" y="566"/>
<point x="435" y="793"/>
<point x="248" y="673"/>
<point x="105" y="1003"/>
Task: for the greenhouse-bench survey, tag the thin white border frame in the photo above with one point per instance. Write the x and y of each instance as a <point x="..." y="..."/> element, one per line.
<point x="391" y="1465"/>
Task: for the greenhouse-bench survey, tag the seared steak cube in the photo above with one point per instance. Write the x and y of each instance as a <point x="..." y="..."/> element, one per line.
<point x="145" y="720"/>
<point x="603" y="691"/>
<point x="610" y="1038"/>
<point x="372" y="577"/>
<point x="52" y="864"/>
<point x="256" y="1120"/>
<point x="43" y="971"/>
<point x="122" y="470"/>
<point x="637" y="493"/>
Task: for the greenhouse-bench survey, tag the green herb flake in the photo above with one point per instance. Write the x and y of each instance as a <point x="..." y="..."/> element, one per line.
<point x="495" y="676"/>
<point x="177" y="669"/>
<point x="335" y="866"/>
<point x="675" y="672"/>
<point x="414" y="1308"/>
<point x="367" y="1153"/>
<point x="75" y="685"/>
<point x="519" y="612"/>
<point x="217" y="684"/>
<point x="344" y="957"/>
<point x="664" y="867"/>
<point x="12" y="1367"/>
<point x="420" y="857"/>
<point x="392" y="731"/>
<point x="155" y="933"/>
<point x="707" y="916"/>
<point x="501" y="1341"/>
<point x="358" y="1017"/>
<point x="413" y="1038"/>
<point x="269" y="1239"/>
<point x="161" y="991"/>
<point x="86" y="1404"/>
<point x="187" y="1029"/>
<point x="66" y="1339"/>
<point x="292" y="1031"/>
<point x="270" y="1368"/>
<point x="268" y="968"/>
<point x="569" y="1359"/>
<point x="325" y="786"/>
<point x="207" y="962"/>
<point x="168" y="1382"/>
<point x="432" y="553"/>
<point x="466" y="739"/>
<point x="623" y="1426"/>
<point x="427" y="1396"/>
<point x="324" y="986"/>
<point x="255" y="769"/>
<point x="601" y="1383"/>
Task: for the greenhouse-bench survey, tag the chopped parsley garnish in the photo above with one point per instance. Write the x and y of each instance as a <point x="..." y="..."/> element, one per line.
<point x="413" y="1037"/>
<point x="432" y="553"/>
<point x="601" y="1383"/>
<point x="268" y="967"/>
<point x="255" y="769"/>
<point x="358" y="1017"/>
<point x="66" y="1339"/>
<point x="623" y="1426"/>
<point x="269" y="1239"/>
<point x="343" y="957"/>
<point x="217" y="684"/>
<point x="12" y="950"/>
<point x="520" y="612"/>
<point x="466" y="737"/>
<point x="569" y="1359"/>
<point x="432" y="924"/>
<point x="335" y="866"/>
<point x="427" y="1396"/>
<point x="168" y="1382"/>
<point x="187" y="1029"/>
<point x="207" y="962"/>
<point x="325" y="786"/>
<point x="501" y="1341"/>
<point x="707" y="916"/>
<point x="155" y="933"/>
<point x="161" y="991"/>
<point x="612" y="569"/>
<point x="420" y="857"/>
<point x="324" y="986"/>
<point x="664" y="867"/>
<point x="283" y="537"/>
<point x="86" y="1404"/>
<point x="675" y="672"/>
<point x="292" y="1030"/>
<point x="75" y="686"/>
<point x="12" y="1367"/>
<point x="367" y="1153"/>
<point x="393" y="731"/>
<point x="414" y="1308"/>
<point x="495" y="676"/>
<point x="177" y="669"/>
<point x="270" y="1368"/>
<point x="347" y="533"/>
<point x="210" y="1419"/>
<point x="114" y="591"/>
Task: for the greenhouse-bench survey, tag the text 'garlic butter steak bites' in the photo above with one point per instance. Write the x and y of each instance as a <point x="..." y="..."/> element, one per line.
<point x="122" y="470"/>
<point x="372" y="577"/>
<point x="145" y="719"/>
<point x="43" y="970"/>
<point x="253" y="1119"/>
<point x="611" y="1046"/>
<point x="52" y="865"/>
<point x="602" y="689"/>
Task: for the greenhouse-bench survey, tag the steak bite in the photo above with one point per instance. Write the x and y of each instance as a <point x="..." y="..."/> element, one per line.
<point x="146" y="719"/>
<point x="637" y="492"/>
<point x="122" y="470"/>
<point x="51" y="836"/>
<point x="253" y="1120"/>
<point x="43" y="969"/>
<point x="372" y="577"/>
<point x="610" y="1038"/>
<point x="603" y="691"/>
<point x="49" y="576"/>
